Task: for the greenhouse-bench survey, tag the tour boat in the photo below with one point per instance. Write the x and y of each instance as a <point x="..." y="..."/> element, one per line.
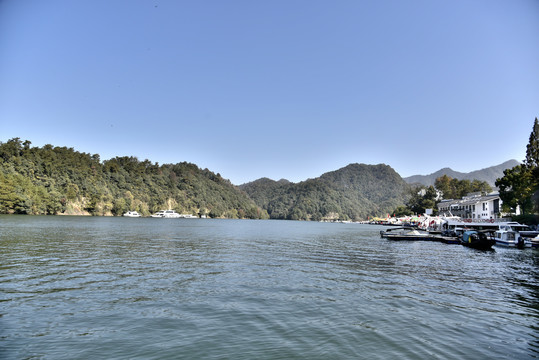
<point x="158" y="214"/>
<point x="132" y="214"/>
<point x="167" y="214"/>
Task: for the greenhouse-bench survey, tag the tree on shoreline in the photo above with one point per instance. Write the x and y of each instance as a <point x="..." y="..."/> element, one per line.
<point x="519" y="187"/>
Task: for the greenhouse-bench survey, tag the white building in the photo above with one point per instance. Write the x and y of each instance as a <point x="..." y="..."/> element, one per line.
<point x="473" y="206"/>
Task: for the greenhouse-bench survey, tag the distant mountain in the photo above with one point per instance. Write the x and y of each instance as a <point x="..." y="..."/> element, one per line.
<point x="353" y="192"/>
<point x="489" y="174"/>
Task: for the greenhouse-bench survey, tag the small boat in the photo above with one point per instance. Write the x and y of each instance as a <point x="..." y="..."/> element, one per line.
<point x="477" y="240"/>
<point x="406" y="233"/>
<point x="131" y="214"/>
<point x="159" y="214"/>
<point x="525" y="232"/>
<point x="171" y="214"/>
<point x="511" y="238"/>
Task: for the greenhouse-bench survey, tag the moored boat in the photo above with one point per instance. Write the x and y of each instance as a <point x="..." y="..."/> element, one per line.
<point x="525" y="232"/>
<point x="158" y="214"/>
<point x="511" y="238"/>
<point x="171" y="214"/>
<point x="477" y="240"/>
<point x="406" y="233"/>
<point x="131" y="214"/>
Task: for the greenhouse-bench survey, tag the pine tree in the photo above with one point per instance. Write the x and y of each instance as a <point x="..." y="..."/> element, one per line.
<point x="532" y="150"/>
<point x="532" y="163"/>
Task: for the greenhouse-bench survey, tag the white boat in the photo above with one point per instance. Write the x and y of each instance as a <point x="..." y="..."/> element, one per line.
<point x="167" y="214"/>
<point x="131" y="214"/>
<point x="171" y="214"/>
<point x="525" y="231"/>
<point x="523" y="235"/>
<point x="511" y="238"/>
<point x="406" y="233"/>
<point x="159" y="214"/>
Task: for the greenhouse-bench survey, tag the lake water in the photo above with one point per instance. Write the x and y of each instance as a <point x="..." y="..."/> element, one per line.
<point x="94" y="287"/>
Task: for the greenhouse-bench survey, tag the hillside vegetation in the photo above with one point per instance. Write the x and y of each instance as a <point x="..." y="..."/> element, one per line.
<point x="354" y="192"/>
<point x="60" y="180"/>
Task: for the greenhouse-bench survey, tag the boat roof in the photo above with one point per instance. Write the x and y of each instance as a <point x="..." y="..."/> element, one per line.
<point x="473" y="223"/>
<point x="402" y="228"/>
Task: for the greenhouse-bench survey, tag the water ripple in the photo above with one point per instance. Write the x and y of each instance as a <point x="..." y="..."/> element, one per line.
<point x="116" y="288"/>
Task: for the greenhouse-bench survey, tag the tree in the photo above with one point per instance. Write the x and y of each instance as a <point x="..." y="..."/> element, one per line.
<point x="520" y="185"/>
<point x="532" y="163"/>
<point x="11" y="148"/>
<point x="481" y="186"/>
<point x="532" y="149"/>
<point x="515" y="189"/>
<point x="72" y="191"/>
<point x="402" y="211"/>
<point x="10" y="196"/>
<point x="456" y="189"/>
<point x="422" y="198"/>
<point x="443" y="184"/>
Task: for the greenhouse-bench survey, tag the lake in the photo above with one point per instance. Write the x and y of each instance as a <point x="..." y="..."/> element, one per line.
<point x="96" y="287"/>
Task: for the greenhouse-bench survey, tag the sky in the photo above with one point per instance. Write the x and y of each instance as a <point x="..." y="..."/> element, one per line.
<point x="279" y="89"/>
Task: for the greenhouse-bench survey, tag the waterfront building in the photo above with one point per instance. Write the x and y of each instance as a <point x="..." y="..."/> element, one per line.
<point x="473" y="206"/>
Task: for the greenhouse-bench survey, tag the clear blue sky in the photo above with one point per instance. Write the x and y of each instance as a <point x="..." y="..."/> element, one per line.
<point x="279" y="89"/>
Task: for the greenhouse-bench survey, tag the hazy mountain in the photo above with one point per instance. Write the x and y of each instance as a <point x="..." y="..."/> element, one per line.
<point x="353" y="192"/>
<point x="489" y="174"/>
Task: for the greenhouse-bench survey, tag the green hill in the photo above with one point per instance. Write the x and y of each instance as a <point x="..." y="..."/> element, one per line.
<point x="60" y="180"/>
<point x="355" y="192"/>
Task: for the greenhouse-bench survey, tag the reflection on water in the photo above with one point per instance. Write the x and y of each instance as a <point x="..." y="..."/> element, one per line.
<point x="74" y="287"/>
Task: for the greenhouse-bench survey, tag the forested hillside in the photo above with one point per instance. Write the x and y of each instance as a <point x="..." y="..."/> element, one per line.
<point x="60" y="180"/>
<point x="353" y="192"/>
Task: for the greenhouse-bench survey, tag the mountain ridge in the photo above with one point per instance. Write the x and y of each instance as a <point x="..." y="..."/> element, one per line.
<point x="495" y="172"/>
<point x="52" y="180"/>
<point x="488" y="174"/>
